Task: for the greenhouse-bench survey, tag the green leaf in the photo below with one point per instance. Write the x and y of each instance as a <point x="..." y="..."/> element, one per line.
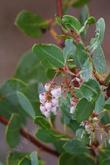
<point x="83" y="110"/>
<point x="100" y="27"/>
<point x="90" y="20"/>
<point x="75" y="147"/>
<point x="14" y="157"/>
<point x="19" y="158"/>
<point x="82" y="60"/>
<point x="67" y="118"/>
<point x="99" y="36"/>
<point x="99" y="105"/>
<point x="99" y="60"/>
<point x="50" y="136"/>
<point x="105" y="117"/>
<point x="25" y="104"/>
<point x="31" y="24"/>
<point x="80" y="56"/>
<point x="6" y="108"/>
<point x="80" y="3"/>
<point x="65" y="109"/>
<point x="107" y="104"/>
<point x="24" y="161"/>
<point x="13" y="130"/>
<point x="104" y="156"/>
<point x="69" y="49"/>
<point x="84" y="14"/>
<point x="58" y="20"/>
<point x="49" y="54"/>
<point x="71" y="22"/>
<point x="67" y="159"/>
<point x="32" y="70"/>
<point x="50" y="73"/>
<point x="96" y="49"/>
<point x="9" y="88"/>
<point x="42" y="122"/>
<point x="87" y="70"/>
<point x="107" y="81"/>
<point x="90" y="89"/>
<point x="75" y="3"/>
<point x="8" y="98"/>
<point x="34" y="158"/>
<point x="82" y="136"/>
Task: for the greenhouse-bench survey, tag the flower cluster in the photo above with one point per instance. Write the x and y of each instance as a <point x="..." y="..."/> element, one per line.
<point x="96" y="131"/>
<point x="50" y="100"/>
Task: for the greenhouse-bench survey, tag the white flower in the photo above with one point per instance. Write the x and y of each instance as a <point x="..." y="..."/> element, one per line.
<point x="72" y="109"/>
<point x="95" y="119"/>
<point x="78" y="79"/>
<point x="88" y="128"/>
<point x="48" y="105"/>
<point x="42" y="108"/>
<point x="46" y="114"/>
<point x="56" y="92"/>
<point x="54" y="102"/>
<point x="47" y="86"/>
<point x="44" y="111"/>
<point x="42" y="97"/>
<point x="73" y="105"/>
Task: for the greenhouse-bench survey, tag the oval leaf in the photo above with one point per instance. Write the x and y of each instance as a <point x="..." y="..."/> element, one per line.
<point x="99" y="60"/>
<point x="49" y="54"/>
<point x="42" y="122"/>
<point x="75" y="147"/>
<point x="25" y="104"/>
<point x="33" y="25"/>
<point x="71" y="22"/>
<point x="13" y="130"/>
<point x="99" y="36"/>
<point x="67" y="159"/>
<point x="34" y="158"/>
<point x="83" y="110"/>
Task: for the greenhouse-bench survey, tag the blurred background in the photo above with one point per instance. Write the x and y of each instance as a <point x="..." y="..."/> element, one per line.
<point x="13" y="44"/>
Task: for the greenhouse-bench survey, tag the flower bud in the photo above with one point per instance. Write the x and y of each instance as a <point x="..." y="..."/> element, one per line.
<point x="47" y="86"/>
<point x="72" y="109"/>
<point x="78" y="79"/>
<point x="42" y="97"/>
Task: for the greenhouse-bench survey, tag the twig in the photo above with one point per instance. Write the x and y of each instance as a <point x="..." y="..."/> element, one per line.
<point x="31" y="139"/>
<point x="59" y="8"/>
<point x="54" y="36"/>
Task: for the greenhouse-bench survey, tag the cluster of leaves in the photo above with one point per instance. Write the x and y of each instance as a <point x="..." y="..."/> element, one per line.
<point x="19" y="96"/>
<point x="23" y="158"/>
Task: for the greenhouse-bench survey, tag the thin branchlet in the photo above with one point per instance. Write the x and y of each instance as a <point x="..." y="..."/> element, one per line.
<point x="59" y="8"/>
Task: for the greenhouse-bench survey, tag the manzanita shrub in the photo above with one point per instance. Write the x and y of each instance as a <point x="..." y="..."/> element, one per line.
<point x="66" y="82"/>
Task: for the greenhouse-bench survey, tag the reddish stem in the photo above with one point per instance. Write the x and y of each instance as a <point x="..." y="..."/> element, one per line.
<point x="59" y="8"/>
<point x="31" y="138"/>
